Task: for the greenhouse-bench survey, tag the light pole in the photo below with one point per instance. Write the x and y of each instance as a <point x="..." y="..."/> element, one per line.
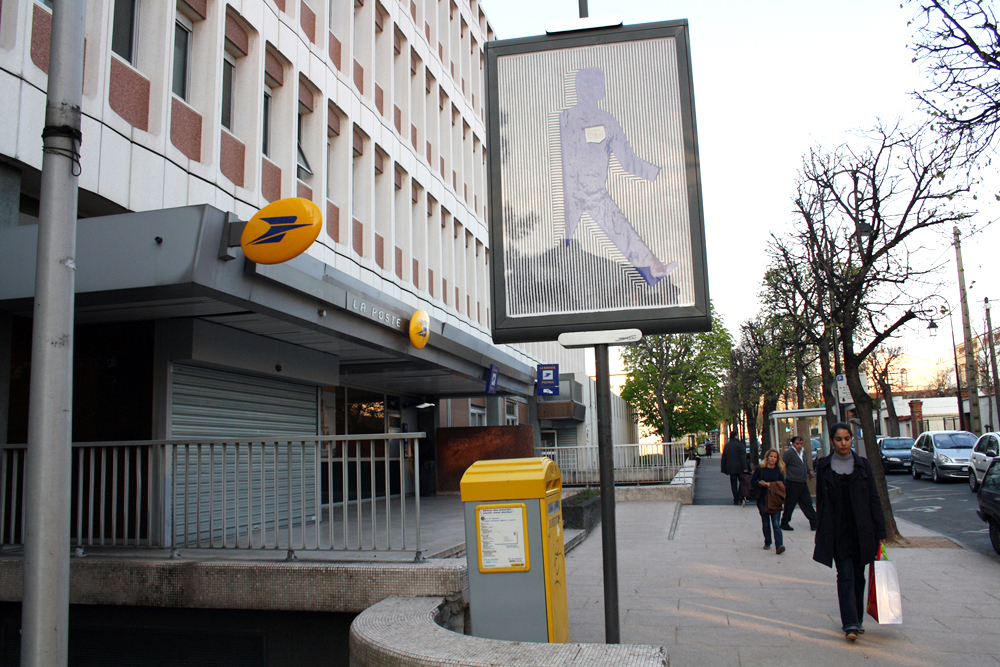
<point x="932" y="328"/>
<point x="993" y="359"/>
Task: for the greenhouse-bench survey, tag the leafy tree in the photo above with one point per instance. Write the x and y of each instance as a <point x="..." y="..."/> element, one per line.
<point x="674" y="380"/>
<point x="769" y="340"/>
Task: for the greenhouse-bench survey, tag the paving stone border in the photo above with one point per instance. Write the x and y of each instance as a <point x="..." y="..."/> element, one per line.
<point x="413" y="632"/>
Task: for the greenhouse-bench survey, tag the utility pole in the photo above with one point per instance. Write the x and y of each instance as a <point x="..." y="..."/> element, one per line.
<point x="993" y="361"/>
<point x="971" y="370"/>
<point x="45" y="610"/>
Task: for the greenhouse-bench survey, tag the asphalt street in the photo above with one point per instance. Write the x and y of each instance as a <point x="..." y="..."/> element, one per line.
<point x="948" y="508"/>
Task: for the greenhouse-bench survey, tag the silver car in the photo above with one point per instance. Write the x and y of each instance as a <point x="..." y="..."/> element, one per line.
<point x="942" y="454"/>
<point x="986" y="449"/>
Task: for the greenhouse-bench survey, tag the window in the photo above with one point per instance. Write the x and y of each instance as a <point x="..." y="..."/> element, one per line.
<point x="228" y="74"/>
<point x="991" y="480"/>
<point x="182" y="50"/>
<point x="511" y="413"/>
<point x="265" y="146"/>
<point x="303" y="166"/>
<point x="123" y="29"/>
<point x="477" y="416"/>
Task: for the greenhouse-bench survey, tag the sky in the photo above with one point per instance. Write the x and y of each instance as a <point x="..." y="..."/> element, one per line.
<point x="772" y="80"/>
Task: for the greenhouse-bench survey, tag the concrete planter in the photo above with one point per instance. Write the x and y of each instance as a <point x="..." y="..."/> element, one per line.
<point x="584" y="515"/>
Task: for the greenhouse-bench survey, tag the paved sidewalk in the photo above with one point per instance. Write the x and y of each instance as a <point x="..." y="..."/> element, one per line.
<point x="713" y="596"/>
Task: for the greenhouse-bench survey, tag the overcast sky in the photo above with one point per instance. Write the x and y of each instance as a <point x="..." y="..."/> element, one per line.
<point x="771" y="80"/>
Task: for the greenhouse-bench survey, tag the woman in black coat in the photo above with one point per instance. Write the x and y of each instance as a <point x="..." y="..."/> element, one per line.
<point x="850" y="524"/>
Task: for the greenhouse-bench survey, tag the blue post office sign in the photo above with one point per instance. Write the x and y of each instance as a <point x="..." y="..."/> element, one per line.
<point x="548" y="379"/>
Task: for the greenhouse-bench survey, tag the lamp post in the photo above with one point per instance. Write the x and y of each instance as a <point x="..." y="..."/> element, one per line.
<point x="993" y="359"/>
<point x="932" y="328"/>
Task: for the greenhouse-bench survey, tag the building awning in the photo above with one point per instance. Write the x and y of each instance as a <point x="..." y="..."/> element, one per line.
<point x="167" y="264"/>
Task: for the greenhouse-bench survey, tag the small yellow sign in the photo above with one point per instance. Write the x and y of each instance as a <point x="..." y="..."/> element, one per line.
<point x="281" y="230"/>
<point x="420" y="329"/>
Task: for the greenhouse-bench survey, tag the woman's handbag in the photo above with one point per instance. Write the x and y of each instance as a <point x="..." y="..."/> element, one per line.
<point x="775" y="498"/>
<point x="885" y="604"/>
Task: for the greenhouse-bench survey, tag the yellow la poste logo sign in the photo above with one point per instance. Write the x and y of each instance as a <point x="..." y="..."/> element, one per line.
<point x="281" y="230"/>
<point x="420" y="329"/>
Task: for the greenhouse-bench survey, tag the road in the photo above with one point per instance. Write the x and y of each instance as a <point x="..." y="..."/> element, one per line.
<point x="948" y="508"/>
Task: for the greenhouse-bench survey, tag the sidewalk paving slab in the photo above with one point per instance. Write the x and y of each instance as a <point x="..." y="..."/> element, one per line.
<point x="712" y="596"/>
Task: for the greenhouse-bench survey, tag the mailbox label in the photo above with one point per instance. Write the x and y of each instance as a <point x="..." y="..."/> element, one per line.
<point x="503" y="538"/>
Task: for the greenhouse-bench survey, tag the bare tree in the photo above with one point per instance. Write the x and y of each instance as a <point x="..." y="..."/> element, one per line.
<point x="862" y="212"/>
<point x="883" y="362"/>
<point x="958" y="43"/>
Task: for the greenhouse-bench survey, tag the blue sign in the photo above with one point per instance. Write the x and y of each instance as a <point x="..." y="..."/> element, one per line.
<point x="548" y="379"/>
<point x="492" y="378"/>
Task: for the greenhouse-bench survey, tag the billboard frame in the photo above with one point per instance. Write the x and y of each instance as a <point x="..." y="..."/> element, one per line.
<point x="666" y="319"/>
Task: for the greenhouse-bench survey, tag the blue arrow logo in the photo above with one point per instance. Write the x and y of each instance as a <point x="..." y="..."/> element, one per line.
<point x="280" y="226"/>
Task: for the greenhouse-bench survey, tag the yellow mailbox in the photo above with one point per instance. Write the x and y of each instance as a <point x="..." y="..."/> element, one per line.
<point x="514" y="540"/>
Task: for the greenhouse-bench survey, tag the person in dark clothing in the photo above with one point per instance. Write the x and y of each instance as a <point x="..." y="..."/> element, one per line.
<point x="734" y="461"/>
<point x="771" y="471"/>
<point x="796" y="488"/>
<point x="850" y="524"/>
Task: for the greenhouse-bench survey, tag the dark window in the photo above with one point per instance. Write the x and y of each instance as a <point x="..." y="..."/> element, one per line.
<point x="991" y="480"/>
<point x="123" y="29"/>
<point x="182" y="46"/>
<point x="228" y="73"/>
<point x="303" y="167"/>
<point x="266" y="139"/>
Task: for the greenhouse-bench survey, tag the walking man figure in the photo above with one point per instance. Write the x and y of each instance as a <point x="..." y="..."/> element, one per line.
<point x="588" y="137"/>
<point x="734" y="461"/>
<point x="796" y="489"/>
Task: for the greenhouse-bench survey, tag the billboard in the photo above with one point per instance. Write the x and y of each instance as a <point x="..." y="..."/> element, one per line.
<point x="595" y="192"/>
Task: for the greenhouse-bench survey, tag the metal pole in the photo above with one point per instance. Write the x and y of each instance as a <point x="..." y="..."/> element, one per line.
<point x="584" y="12"/>
<point x="993" y="362"/>
<point x="605" y="448"/>
<point x="45" y="611"/>
<point x="971" y="371"/>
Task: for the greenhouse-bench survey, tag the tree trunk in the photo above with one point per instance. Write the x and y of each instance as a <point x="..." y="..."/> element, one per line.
<point x="770" y="405"/>
<point x="893" y="420"/>
<point x="752" y="432"/>
<point x="863" y="410"/>
<point x="829" y="400"/>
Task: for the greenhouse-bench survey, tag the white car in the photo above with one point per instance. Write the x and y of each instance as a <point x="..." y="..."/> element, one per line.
<point x="986" y="449"/>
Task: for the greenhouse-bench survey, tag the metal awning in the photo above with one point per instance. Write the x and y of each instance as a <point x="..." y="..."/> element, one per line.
<point x="167" y="264"/>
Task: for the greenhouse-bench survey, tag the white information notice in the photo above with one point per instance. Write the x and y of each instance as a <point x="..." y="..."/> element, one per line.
<point x="501" y="538"/>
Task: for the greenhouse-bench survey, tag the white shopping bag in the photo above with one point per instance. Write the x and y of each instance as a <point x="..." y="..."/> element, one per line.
<point x="885" y="603"/>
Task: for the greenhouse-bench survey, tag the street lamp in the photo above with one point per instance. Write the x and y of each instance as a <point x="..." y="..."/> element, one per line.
<point x="932" y="328"/>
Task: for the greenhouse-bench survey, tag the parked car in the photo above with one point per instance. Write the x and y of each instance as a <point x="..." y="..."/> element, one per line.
<point x="942" y="454"/>
<point x="895" y="453"/>
<point x="989" y="502"/>
<point x="987" y="448"/>
<point x="817" y="447"/>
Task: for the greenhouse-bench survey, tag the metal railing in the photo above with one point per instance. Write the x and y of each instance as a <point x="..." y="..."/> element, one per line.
<point x="634" y="463"/>
<point x="284" y="492"/>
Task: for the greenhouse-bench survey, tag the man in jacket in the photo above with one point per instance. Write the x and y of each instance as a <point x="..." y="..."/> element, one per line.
<point x="734" y="461"/>
<point x="796" y="488"/>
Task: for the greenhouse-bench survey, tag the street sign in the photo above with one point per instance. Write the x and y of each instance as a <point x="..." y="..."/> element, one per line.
<point x="842" y="390"/>
<point x="492" y="378"/>
<point x="548" y="379"/>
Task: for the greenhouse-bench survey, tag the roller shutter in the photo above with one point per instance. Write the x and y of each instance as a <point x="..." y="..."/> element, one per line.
<point x="219" y="491"/>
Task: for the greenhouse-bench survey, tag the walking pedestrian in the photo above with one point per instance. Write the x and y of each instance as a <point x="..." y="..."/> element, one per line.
<point x="797" y="474"/>
<point x="734" y="461"/>
<point x="850" y="525"/>
<point x="708" y="448"/>
<point x="769" y="477"/>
